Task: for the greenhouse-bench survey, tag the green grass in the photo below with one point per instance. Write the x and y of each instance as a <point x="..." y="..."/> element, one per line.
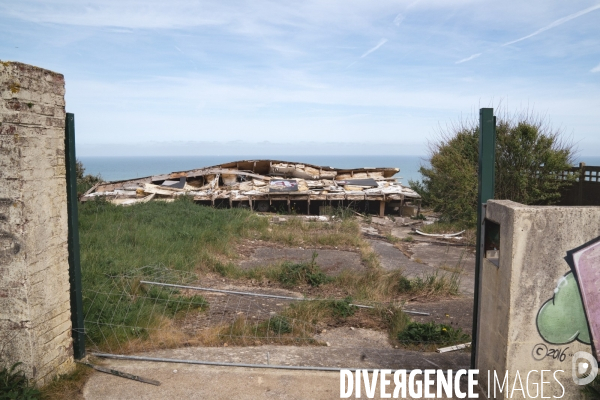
<point x="431" y="333"/>
<point x="180" y="235"/>
<point x="431" y="284"/>
<point x="158" y="241"/>
<point x="291" y="274"/>
<point x="116" y="242"/>
<point x="120" y="246"/>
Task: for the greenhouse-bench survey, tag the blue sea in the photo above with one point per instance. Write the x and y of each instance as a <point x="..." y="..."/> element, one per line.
<point x="120" y="168"/>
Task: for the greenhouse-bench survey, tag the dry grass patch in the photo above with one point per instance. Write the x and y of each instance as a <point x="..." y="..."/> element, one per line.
<point x="68" y="386"/>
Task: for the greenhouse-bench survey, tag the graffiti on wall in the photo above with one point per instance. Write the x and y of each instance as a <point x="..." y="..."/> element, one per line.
<point x="573" y="312"/>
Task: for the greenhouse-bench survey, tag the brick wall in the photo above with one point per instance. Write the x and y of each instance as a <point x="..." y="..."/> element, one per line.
<point x="35" y="325"/>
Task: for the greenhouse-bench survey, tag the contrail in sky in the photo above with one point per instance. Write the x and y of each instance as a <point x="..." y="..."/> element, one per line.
<point x="381" y="43"/>
<point x="468" y="58"/>
<point x="556" y="23"/>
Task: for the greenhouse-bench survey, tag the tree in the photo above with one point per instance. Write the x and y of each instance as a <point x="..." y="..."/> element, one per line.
<point x="530" y="155"/>
<point x="85" y="181"/>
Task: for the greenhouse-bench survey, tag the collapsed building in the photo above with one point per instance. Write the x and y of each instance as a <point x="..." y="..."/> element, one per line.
<point x="270" y="185"/>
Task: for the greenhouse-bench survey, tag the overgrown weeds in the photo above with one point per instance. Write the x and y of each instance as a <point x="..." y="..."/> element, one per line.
<point x="15" y="385"/>
<point x="393" y="318"/>
<point x="296" y="324"/>
<point x="67" y="386"/>
<point x="291" y="274"/>
<point x="379" y="285"/>
<point x="431" y="284"/>
<point x="431" y="333"/>
<point x="117" y="242"/>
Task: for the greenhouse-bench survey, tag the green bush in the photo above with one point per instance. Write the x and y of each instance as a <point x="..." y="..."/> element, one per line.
<point x="342" y="308"/>
<point x="432" y="333"/>
<point x="292" y="274"/>
<point x="15" y="385"/>
<point x="84" y="182"/>
<point x="280" y="324"/>
<point x="529" y="157"/>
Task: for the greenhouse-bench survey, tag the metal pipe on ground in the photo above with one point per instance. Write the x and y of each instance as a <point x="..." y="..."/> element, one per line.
<point x="272" y="296"/>
<point x="226" y="364"/>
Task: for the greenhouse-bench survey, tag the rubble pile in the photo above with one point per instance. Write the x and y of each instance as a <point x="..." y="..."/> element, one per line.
<point x="257" y="183"/>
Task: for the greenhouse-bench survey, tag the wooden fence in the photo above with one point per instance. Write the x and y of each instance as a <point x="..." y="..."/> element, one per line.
<point x="585" y="191"/>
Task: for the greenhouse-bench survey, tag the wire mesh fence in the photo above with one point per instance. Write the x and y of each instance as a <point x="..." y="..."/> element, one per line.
<point x="139" y="312"/>
<point x="155" y="307"/>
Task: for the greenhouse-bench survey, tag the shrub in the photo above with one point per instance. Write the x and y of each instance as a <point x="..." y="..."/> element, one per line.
<point x="432" y="333"/>
<point x="15" y="385"/>
<point x="529" y="156"/>
<point x="342" y="308"/>
<point x="84" y="182"/>
<point x="305" y="272"/>
<point x="280" y="324"/>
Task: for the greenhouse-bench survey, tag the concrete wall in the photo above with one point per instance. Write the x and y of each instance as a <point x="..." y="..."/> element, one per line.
<point x="35" y="325"/>
<point x="531" y="312"/>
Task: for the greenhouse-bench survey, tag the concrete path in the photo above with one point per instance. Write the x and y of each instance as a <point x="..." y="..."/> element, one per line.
<point x="180" y="381"/>
<point x="185" y="381"/>
<point x="348" y="348"/>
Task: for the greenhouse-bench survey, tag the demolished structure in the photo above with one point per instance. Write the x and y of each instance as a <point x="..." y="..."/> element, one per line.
<point x="269" y="185"/>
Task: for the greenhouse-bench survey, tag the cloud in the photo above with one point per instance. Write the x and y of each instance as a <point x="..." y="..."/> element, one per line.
<point x="381" y="43"/>
<point x="596" y="68"/>
<point x="399" y="18"/>
<point x="474" y="56"/>
<point x="556" y="23"/>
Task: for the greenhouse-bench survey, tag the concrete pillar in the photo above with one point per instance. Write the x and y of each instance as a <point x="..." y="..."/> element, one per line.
<point x="35" y="325"/>
<point x="533" y="316"/>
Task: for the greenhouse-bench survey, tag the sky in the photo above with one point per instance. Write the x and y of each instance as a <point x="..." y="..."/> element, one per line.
<point x="178" y="77"/>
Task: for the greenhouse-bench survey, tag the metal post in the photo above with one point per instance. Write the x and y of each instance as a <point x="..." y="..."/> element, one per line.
<point x="73" y="240"/>
<point x="487" y="157"/>
<point x="581" y="183"/>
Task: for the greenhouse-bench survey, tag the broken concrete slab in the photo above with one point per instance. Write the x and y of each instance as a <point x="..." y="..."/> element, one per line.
<point x="391" y="258"/>
<point x="448" y="258"/>
<point x="331" y="261"/>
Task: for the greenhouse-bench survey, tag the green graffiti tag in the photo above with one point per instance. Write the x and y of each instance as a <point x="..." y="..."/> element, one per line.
<point x="562" y="319"/>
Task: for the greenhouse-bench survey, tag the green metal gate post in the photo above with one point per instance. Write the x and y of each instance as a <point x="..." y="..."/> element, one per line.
<point x="73" y="240"/>
<point x="487" y="158"/>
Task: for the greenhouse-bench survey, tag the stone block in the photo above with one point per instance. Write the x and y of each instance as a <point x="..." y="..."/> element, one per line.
<point x="514" y="334"/>
<point x="35" y="325"/>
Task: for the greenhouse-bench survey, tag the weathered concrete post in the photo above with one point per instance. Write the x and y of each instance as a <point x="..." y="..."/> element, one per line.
<point x="35" y="324"/>
<point x="539" y="299"/>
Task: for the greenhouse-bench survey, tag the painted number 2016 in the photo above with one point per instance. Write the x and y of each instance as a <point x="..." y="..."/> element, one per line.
<point x="541" y="351"/>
